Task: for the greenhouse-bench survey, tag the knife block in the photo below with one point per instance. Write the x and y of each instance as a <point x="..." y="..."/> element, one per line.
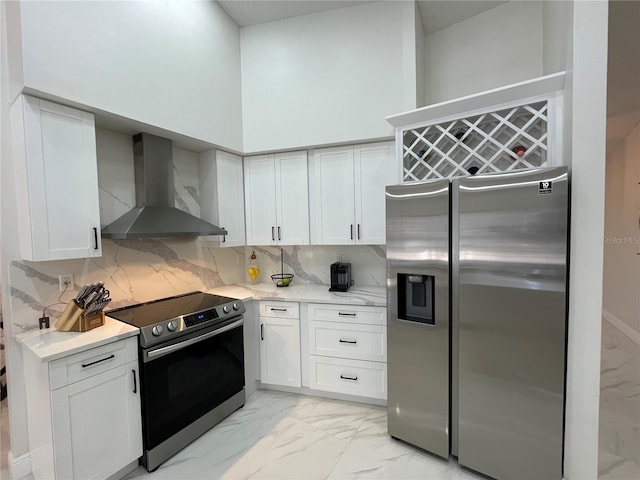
<point x="73" y="319"/>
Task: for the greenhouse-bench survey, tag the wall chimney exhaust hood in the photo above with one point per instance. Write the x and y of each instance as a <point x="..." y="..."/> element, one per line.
<point x="155" y="214"/>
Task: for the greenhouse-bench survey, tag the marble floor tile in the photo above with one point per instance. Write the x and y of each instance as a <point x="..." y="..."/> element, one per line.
<point x="286" y="436"/>
<point x="340" y="419"/>
<point x="619" y="432"/>
<point x="372" y="453"/>
<point x="613" y="467"/>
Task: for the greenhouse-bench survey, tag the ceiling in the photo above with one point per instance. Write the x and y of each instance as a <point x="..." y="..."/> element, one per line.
<point x="436" y="15"/>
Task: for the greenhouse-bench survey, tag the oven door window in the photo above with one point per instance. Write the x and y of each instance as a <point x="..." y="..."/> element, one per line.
<point x="184" y="385"/>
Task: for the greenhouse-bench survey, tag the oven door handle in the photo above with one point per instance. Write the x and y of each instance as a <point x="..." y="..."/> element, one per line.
<point x="179" y="346"/>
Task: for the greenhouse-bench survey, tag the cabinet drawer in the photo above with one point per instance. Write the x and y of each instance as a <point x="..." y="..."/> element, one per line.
<point x="348" y="313"/>
<point x="352" y="377"/>
<point x="345" y="340"/>
<point x="279" y="309"/>
<point x="80" y="366"/>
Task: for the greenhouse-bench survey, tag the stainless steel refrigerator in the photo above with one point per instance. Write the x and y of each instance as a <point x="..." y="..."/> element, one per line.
<point x="477" y="297"/>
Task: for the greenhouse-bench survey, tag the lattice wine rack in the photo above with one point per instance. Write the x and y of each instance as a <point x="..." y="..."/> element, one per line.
<point x="506" y="140"/>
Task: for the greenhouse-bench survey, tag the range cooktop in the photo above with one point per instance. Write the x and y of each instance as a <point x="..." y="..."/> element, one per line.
<point x="166" y="318"/>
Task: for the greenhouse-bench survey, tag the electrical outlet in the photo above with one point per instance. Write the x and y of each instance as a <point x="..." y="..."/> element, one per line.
<point x="65" y="280"/>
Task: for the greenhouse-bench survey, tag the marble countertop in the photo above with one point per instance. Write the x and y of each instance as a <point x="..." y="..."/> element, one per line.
<point x="51" y="344"/>
<point x="310" y="293"/>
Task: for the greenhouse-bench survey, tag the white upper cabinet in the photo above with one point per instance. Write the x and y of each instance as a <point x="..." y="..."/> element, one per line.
<point x="277" y="199"/>
<point x="347" y="193"/>
<point x="374" y="168"/>
<point x="222" y="196"/>
<point x="56" y="181"/>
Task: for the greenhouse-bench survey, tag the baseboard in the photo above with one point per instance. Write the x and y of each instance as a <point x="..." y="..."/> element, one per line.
<point x="633" y="335"/>
<point x="19" y="467"/>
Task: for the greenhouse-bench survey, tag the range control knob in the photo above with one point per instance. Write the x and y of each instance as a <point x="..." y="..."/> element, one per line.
<point x="236" y="306"/>
<point x="226" y="309"/>
<point x="157" y="330"/>
<point x="172" y="325"/>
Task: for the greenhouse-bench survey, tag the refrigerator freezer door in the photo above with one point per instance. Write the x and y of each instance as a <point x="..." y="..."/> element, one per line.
<point x="418" y="316"/>
<point x="512" y="320"/>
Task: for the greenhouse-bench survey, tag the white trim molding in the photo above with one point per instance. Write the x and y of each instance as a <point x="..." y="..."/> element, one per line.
<point x="630" y="332"/>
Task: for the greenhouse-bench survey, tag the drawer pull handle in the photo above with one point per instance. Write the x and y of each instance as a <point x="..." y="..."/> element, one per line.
<point x="135" y="383"/>
<point x="278" y="309"/>
<point x="347" y="314"/>
<point x="85" y="365"/>
<point x="348" y="341"/>
<point x="348" y="377"/>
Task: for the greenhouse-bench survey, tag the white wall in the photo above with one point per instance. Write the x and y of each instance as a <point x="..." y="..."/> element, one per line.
<point x="622" y="236"/>
<point x="588" y="92"/>
<point x="420" y="61"/>
<point x="495" y="48"/>
<point x="556" y="35"/>
<point x="9" y="243"/>
<point x="173" y="65"/>
<point x="324" y="78"/>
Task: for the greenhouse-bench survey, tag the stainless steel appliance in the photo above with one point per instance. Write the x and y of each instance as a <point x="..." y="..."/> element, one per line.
<point x="477" y="296"/>
<point x="191" y="368"/>
<point x="340" y="277"/>
<point x="155" y="214"/>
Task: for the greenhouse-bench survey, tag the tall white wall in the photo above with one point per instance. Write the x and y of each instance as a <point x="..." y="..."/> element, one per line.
<point x="495" y="48"/>
<point x="325" y="78"/>
<point x="9" y="241"/>
<point x="588" y="95"/>
<point x="173" y="65"/>
<point x="622" y="237"/>
<point x="556" y="35"/>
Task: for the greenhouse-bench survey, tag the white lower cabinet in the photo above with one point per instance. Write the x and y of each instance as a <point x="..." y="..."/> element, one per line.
<point x="348" y="350"/>
<point x="280" y="343"/>
<point x="84" y="412"/>
<point x="352" y="377"/>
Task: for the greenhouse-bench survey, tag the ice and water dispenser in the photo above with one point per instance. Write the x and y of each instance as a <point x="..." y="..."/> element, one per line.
<point x="415" y="298"/>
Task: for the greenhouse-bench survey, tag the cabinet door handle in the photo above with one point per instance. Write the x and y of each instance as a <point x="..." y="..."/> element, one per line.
<point x="135" y="383"/>
<point x="358" y="231"/>
<point x="279" y="233"/>
<point x="278" y="309"/>
<point x="351" y="231"/>
<point x="85" y="365"/>
<point x="224" y="237"/>
<point x="273" y="234"/>
<point x="347" y="314"/>
<point x="342" y="340"/>
<point x="348" y="377"/>
<point x="95" y="238"/>
<point x="262" y="331"/>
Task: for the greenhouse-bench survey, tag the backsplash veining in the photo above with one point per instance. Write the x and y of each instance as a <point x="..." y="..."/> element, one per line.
<point x="310" y="263"/>
<point x="134" y="271"/>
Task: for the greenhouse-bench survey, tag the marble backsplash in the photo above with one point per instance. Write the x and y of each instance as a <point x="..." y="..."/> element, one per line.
<point x="139" y="270"/>
<point x="134" y="271"/>
<point x="310" y="263"/>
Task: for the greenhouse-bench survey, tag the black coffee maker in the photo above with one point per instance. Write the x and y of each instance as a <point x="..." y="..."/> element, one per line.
<point x="340" y="277"/>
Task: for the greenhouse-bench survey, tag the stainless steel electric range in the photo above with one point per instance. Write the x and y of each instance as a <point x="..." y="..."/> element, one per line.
<point x="191" y="368"/>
